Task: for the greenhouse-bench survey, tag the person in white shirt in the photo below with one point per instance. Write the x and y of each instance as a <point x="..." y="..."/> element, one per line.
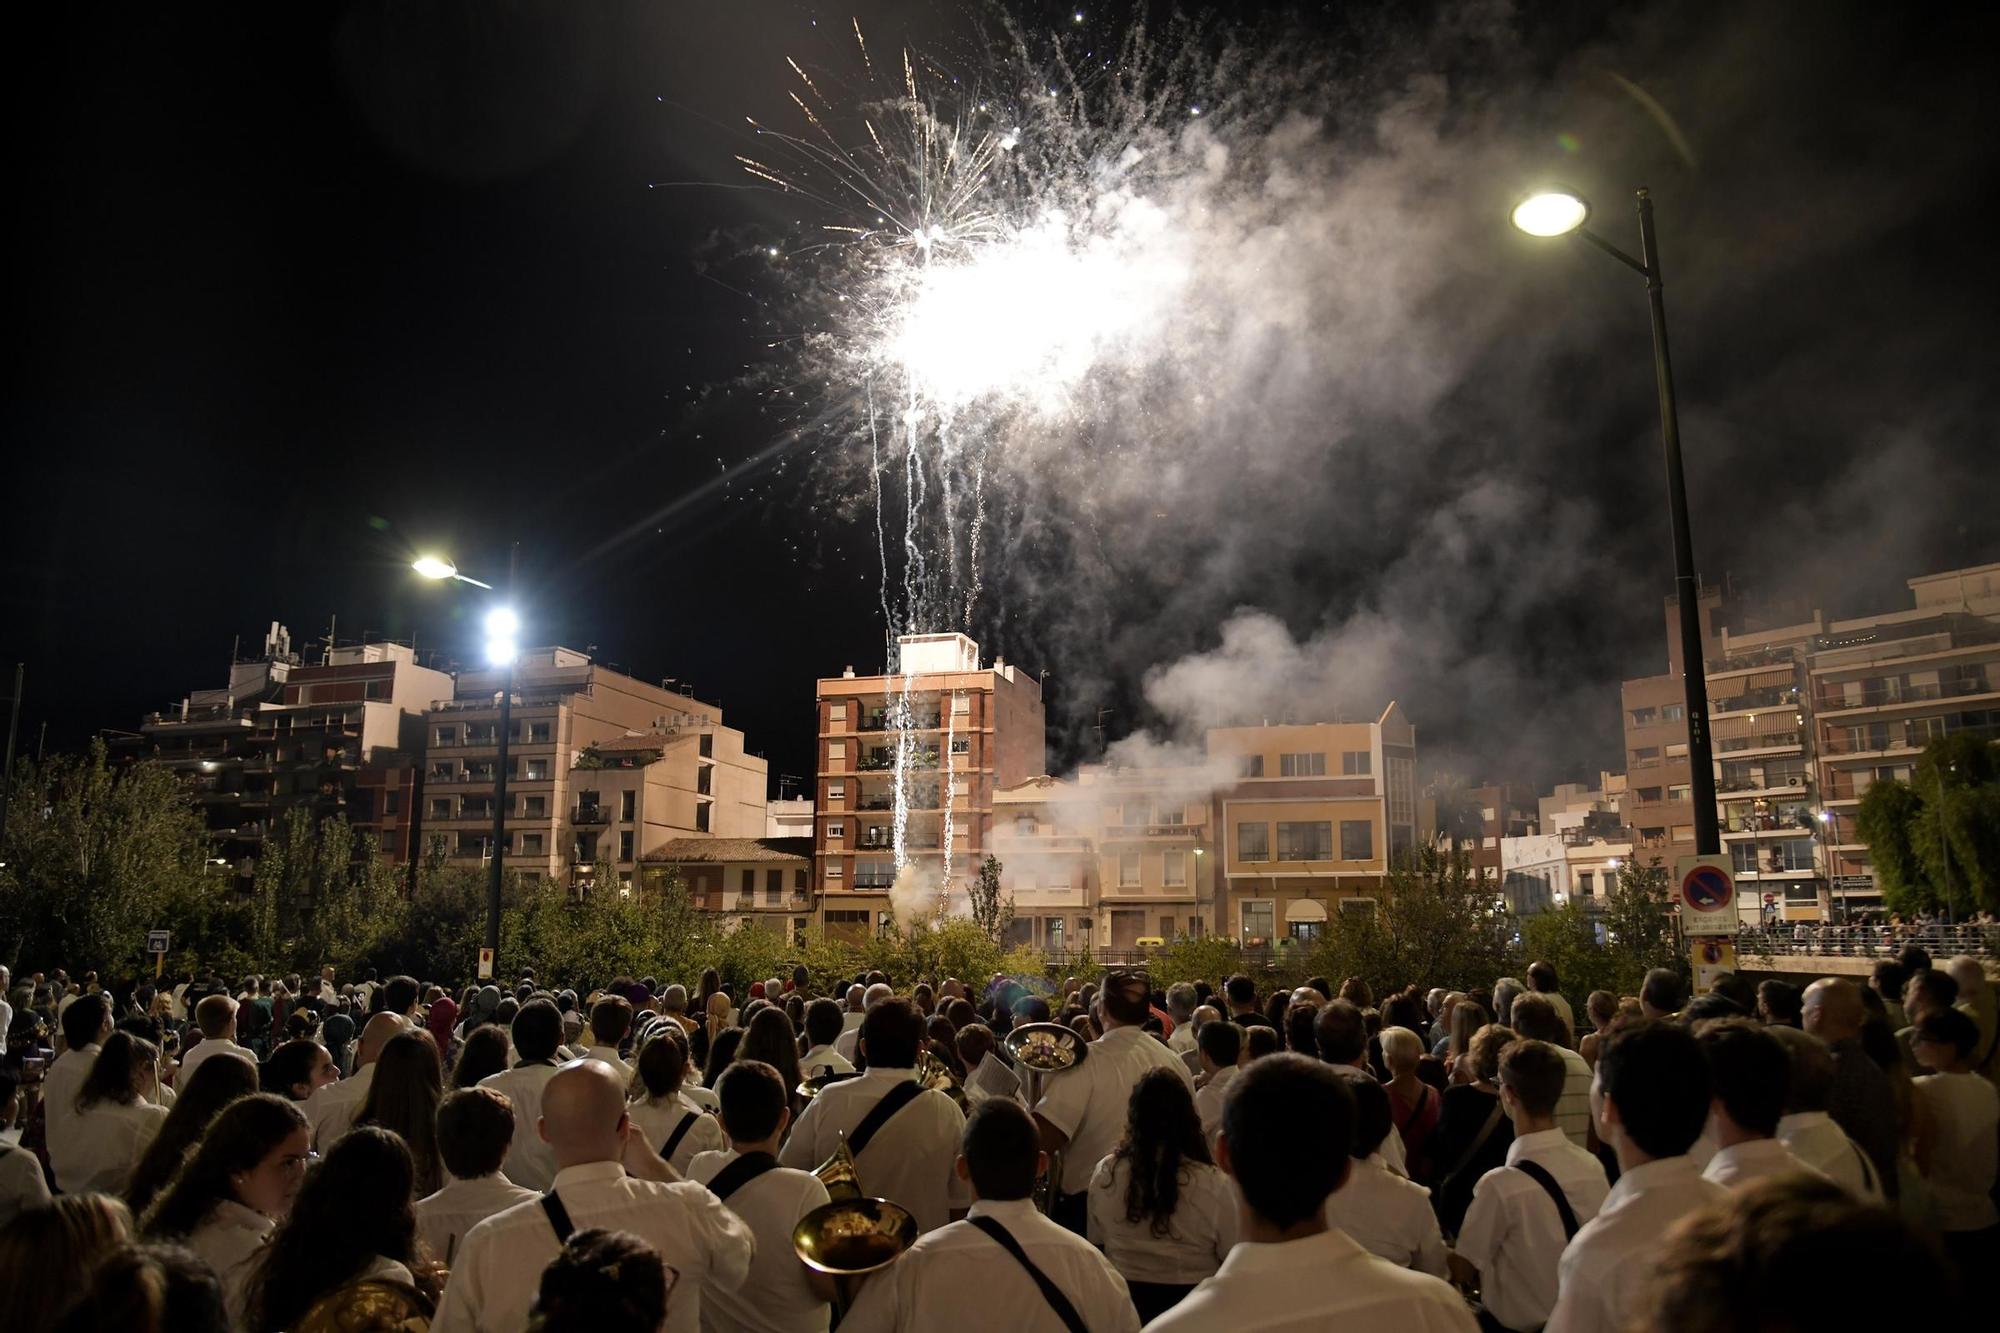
<point x="1956" y="1147"/>
<point x="1514" y="1231"/>
<point x="1219" y="1048"/>
<point x="981" y="1272"/>
<point x="1748" y="1072"/>
<point x="215" y="1015"/>
<point x="22" y="1184"/>
<point x="1160" y="1209"/>
<point x="537" y="1032"/>
<point x="823" y="1028"/>
<point x="1807" y="1130"/>
<point x="782" y="1295"/>
<point x="475" y="1126"/>
<point x="6" y="1007"/>
<point x="848" y="1042"/>
<point x="1542" y="981"/>
<point x="1386" y="1214"/>
<point x="1182" y="1001"/>
<point x="1650" y="1099"/>
<point x="610" y="1020"/>
<point x="333" y="1107"/>
<point x="85" y="1024"/>
<point x="1191" y="1057"/>
<point x="1536" y="1018"/>
<point x="664" y="1116"/>
<point x="1082" y="1110"/>
<point x="229" y="1197"/>
<point x="905" y="1152"/>
<point x="605" y="1178"/>
<point x="1286" y="1143"/>
<point x="114" y="1123"/>
<point x="987" y="1075"/>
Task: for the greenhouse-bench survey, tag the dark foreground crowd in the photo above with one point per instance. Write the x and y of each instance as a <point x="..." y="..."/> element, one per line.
<point x="292" y="1153"/>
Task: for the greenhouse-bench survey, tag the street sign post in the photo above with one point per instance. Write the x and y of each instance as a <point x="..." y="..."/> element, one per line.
<point x="485" y="964"/>
<point x="157" y="943"/>
<point x="1707" y="896"/>
<point x="1714" y="959"/>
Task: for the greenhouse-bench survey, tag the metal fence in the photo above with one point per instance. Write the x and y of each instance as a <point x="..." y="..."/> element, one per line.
<point x="1978" y="939"/>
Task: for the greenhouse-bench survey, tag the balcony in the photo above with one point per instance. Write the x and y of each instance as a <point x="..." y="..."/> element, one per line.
<point x="1889" y="694"/>
<point x="1117" y="832"/>
<point x="1788" y="739"/>
<point x="590" y="814"/>
<point x="881" y="761"/>
<point x="1751" y="700"/>
<point x="918" y="722"/>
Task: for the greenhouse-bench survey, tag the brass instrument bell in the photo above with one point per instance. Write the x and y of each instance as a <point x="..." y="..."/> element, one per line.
<point x="810" y="1088"/>
<point x="849" y="1237"/>
<point x="837" y="1173"/>
<point x="935" y="1074"/>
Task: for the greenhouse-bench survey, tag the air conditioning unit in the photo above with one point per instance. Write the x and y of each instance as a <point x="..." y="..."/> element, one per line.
<point x="1798" y="780"/>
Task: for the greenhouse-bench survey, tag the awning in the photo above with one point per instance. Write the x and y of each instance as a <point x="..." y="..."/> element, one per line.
<point x="1304" y="909"/>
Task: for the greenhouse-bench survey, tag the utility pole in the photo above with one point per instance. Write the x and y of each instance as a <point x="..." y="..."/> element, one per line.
<point x="13" y="725"/>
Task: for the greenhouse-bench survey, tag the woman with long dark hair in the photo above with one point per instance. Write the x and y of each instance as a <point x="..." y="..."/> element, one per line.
<point x="352" y="1222"/>
<point x="772" y="1039"/>
<point x="298" y="1068"/>
<point x="211" y="1087"/>
<point x="233" y="1191"/>
<point x="1160" y="1208"/>
<point x="665" y="1116"/>
<point x="482" y="1054"/>
<point x="403" y="1099"/>
<point x="114" y="1123"/>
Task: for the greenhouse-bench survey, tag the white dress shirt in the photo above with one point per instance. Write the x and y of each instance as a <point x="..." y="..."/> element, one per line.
<point x="443" y="1218"/>
<point x="1311" y="1285"/>
<point x="332" y="1108"/>
<point x="229" y="1240"/>
<point x="1199" y="1234"/>
<point x="848" y="1044"/>
<point x="106" y="1142"/>
<point x="1573" y="1106"/>
<point x="1752" y="1160"/>
<point x="207" y="1049"/>
<point x="824" y="1060"/>
<point x="959" y="1278"/>
<point x="1604" y="1271"/>
<point x="1388" y="1215"/>
<point x="1818" y="1141"/>
<point x="530" y="1163"/>
<point x="656" y="1122"/>
<point x="910" y="1159"/>
<point x="6" y="1020"/>
<point x="500" y="1261"/>
<point x="1964" y="1109"/>
<point x="1087" y="1101"/>
<point x="1208" y="1100"/>
<point x="1512" y="1232"/>
<point x="66" y="1074"/>
<point x="777" y="1298"/>
<point x="1181" y="1040"/>
<point x="609" y="1054"/>
<point x="22" y="1185"/>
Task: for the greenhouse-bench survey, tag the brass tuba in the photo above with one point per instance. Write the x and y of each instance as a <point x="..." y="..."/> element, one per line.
<point x="1039" y="1050"/>
<point x="837" y="1173"/>
<point x="850" y="1238"/>
<point x="810" y="1088"/>
<point x="935" y="1074"/>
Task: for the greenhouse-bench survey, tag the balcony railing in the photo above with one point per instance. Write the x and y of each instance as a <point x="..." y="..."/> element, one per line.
<point x="1880" y="696"/>
<point x="1757" y="699"/>
<point x="590" y="814"/>
<point x="883" y="722"/>
<point x="883" y="760"/>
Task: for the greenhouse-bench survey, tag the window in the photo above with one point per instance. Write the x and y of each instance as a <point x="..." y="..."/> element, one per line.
<point x="1025" y="825"/>
<point x="586" y="848"/>
<point x="1678" y="750"/>
<point x="1673" y="713"/>
<point x="628" y="802"/>
<point x="441" y="807"/>
<point x="961" y="745"/>
<point x="833" y="871"/>
<point x="1305" y="932"/>
<point x="1586" y="882"/>
<point x="1302" y="765"/>
<point x="472" y="844"/>
<point x="1644" y="717"/>
<point x="1257" y="919"/>
<point x="446" y="771"/>
<point x="535" y="806"/>
<point x="705" y="745"/>
<point x="836" y="713"/>
<point x="961" y="703"/>
<point x="539" y="733"/>
<point x="749" y="884"/>
<point x="1128" y="869"/>
<point x="843" y="917"/>
<point x="1176" y="869"/>
<point x="1357" y="840"/>
<point x="1172" y="816"/>
<point x="625" y="845"/>
<point x="1308" y="840"/>
<point x="481" y="733"/>
<point x="1678" y="791"/>
<point x="1253" y="842"/>
<point x="392" y="802"/>
<point x="1355" y="763"/>
<point x="1646" y="756"/>
<point x="1683" y="833"/>
<point x="704" y="781"/>
<point x="535" y="770"/>
<point x="701" y="817"/>
<point x="447" y="736"/>
<point x="1649" y="795"/>
<point x="531" y="844"/>
<point x="1253" y="766"/>
<point x="799" y="881"/>
<point x="836" y="753"/>
<point x="836" y="791"/>
<point x="835" y="830"/>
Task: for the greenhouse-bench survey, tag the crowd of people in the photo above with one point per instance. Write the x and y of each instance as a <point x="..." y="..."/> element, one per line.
<point x="297" y="1153"/>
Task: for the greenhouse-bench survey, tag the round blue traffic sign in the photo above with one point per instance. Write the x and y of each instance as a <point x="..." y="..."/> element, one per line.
<point x="1707" y="888"/>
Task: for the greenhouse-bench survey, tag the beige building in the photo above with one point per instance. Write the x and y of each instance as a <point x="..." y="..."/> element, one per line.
<point x="765" y="882"/>
<point x="1043" y="838"/>
<point x="910" y="761"/>
<point x="1312" y="825"/>
<point x="601" y="768"/>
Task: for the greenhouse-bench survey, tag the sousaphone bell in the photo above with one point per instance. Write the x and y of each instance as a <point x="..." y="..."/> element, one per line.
<point x="1040" y="1050"/>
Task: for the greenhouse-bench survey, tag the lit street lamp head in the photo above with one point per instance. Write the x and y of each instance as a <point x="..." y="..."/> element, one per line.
<point x="1551" y="213"/>
<point x="502" y="625"/>
<point x="434" y="567"/>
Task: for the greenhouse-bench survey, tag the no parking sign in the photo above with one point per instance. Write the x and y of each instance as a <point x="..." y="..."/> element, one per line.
<point x="1707" y="897"/>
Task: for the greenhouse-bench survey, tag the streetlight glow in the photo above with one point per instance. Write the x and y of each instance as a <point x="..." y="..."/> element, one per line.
<point x="434" y="567"/>
<point x="1551" y="213"/>
<point x="501" y="627"/>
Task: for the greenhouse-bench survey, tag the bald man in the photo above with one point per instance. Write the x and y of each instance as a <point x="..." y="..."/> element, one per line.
<point x="1860" y="1100"/>
<point x="499" y="1265"/>
<point x="332" y="1109"/>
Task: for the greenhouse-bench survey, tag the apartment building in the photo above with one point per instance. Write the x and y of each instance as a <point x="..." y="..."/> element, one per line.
<point x="919" y="750"/>
<point x="1506" y="810"/>
<point x="1312" y="823"/>
<point x="1043" y="837"/>
<point x="1804" y="713"/>
<point x="602" y="769"/>
<point x="764" y="882"/>
<point x="342" y="736"/>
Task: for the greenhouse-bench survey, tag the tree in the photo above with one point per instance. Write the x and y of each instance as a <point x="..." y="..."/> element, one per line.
<point x="1439" y="923"/>
<point x="1935" y="840"/>
<point x="1640" y="930"/>
<point x="992" y="911"/>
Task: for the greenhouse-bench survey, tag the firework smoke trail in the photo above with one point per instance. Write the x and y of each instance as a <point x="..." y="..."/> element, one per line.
<point x="948" y="787"/>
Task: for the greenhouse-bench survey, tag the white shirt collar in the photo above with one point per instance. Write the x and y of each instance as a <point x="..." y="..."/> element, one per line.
<point x="1004" y="1210"/>
<point x="1541" y="1138"/>
<point x="1651" y="1175"/>
<point x="586" y="1172"/>
<point x="886" y="1074"/>
<point x="1331" y="1246"/>
<point x="238" y="1217"/>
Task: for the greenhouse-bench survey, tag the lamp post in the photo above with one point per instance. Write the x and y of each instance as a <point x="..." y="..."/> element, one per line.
<point x="1552" y="213"/>
<point x="503" y="628"/>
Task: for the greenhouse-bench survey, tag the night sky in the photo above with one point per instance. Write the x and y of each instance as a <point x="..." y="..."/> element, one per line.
<point x="301" y="290"/>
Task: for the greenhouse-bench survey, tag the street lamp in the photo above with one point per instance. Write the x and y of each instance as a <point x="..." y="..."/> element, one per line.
<point x="503" y="628"/>
<point x="1558" y="212"/>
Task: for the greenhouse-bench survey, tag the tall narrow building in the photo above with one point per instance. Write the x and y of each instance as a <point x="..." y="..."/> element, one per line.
<point x="909" y="762"/>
